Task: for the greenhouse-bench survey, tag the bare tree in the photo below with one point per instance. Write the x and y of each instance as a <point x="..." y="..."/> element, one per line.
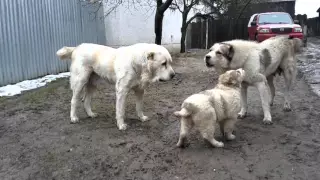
<point x="161" y="8"/>
<point x="110" y="6"/>
<point x="185" y="6"/>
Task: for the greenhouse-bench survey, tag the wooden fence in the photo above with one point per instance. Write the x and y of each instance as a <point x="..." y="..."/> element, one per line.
<point x="205" y="33"/>
<point x="313" y="26"/>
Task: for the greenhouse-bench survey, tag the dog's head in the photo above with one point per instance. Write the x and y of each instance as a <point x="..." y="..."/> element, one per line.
<point x="159" y="64"/>
<point x="220" y="55"/>
<point x="232" y="77"/>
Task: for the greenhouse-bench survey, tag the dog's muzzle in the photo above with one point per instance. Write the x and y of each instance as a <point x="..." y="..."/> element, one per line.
<point x="207" y="60"/>
<point x="172" y="75"/>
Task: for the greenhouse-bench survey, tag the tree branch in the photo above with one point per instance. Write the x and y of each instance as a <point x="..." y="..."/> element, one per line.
<point x="159" y="2"/>
<point x="200" y="15"/>
<point x="242" y="10"/>
<point x="175" y="4"/>
<point x="165" y="5"/>
<point x="193" y="2"/>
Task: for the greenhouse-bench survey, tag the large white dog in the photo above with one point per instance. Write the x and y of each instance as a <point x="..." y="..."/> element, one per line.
<point x="130" y="67"/>
<point x="261" y="61"/>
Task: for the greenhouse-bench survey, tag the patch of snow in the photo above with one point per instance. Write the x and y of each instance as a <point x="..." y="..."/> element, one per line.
<point x="14" y="89"/>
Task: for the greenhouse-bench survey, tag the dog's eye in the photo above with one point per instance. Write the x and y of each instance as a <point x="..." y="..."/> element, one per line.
<point x="164" y="64"/>
<point x="218" y="52"/>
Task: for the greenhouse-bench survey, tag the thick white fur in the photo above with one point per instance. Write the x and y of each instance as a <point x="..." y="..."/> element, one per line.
<point x="261" y="61"/>
<point x="129" y="68"/>
<point x="207" y="108"/>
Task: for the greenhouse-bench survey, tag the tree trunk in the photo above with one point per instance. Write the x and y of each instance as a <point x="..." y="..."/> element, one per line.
<point x="183" y="39"/>
<point x="158" y="27"/>
<point x="183" y="32"/>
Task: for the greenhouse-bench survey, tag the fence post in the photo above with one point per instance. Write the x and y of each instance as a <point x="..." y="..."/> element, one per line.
<point x="207" y="27"/>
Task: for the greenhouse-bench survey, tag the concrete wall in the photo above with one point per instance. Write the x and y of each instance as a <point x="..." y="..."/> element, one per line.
<point x="126" y="26"/>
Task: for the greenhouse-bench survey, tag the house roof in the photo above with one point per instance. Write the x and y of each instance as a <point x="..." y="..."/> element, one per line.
<point x="318" y="10"/>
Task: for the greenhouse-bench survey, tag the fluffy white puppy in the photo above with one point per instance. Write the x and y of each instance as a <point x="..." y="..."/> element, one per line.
<point x="207" y="108"/>
<point x="129" y="68"/>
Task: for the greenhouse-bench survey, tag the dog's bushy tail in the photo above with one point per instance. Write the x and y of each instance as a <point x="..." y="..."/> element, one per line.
<point x="65" y="52"/>
<point x="185" y="111"/>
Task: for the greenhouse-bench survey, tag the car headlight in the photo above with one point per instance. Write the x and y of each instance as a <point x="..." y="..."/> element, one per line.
<point x="297" y="29"/>
<point x="264" y="30"/>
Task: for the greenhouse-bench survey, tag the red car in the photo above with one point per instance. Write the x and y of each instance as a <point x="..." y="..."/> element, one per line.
<point x="265" y="25"/>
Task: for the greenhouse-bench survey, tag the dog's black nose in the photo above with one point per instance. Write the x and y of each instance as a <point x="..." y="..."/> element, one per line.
<point x="172" y="75"/>
<point x="208" y="58"/>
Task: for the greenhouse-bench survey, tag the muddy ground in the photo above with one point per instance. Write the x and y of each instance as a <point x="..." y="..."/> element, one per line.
<point x="38" y="142"/>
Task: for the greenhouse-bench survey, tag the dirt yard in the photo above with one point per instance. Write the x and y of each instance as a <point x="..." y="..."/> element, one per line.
<point x="38" y="142"/>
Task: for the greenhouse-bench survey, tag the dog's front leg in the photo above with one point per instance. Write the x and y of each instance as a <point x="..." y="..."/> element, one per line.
<point x="272" y="89"/>
<point x="243" y="93"/>
<point x="265" y="101"/>
<point x="120" y="107"/>
<point x="139" y="104"/>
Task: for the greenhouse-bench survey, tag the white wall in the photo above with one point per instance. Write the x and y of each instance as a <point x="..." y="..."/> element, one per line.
<point x="126" y="26"/>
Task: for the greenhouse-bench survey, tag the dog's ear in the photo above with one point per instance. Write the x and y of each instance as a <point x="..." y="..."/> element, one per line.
<point x="227" y="50"/>
<point x="150" y="56"/>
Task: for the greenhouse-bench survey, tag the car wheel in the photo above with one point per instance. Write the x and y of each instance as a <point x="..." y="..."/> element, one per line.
<point x="256" y="37"/>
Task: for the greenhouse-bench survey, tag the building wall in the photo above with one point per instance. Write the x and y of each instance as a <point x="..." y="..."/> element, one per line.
<point x="126" y="26"/>
<point x="33" y="30"/>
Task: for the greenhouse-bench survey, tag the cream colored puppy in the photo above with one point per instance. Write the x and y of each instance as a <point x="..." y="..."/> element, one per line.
<point x="219" y="105"/>
<point x="129" y="68"/>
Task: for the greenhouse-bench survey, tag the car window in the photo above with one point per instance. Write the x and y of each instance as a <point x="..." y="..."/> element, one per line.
<point x="255" y="18"/>
<point x="278" y="18"/>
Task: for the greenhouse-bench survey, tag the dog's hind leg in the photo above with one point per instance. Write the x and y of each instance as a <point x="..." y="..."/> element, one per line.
<point x="208" y="134"/>
<point x="244" y="106"/>
<point x="272" y="89"/>
<point x="139" y="104"/>
<point x="87" y="101"/>
<point x="185" y="127"/>
<point x="78" y="83"/>
<point x="89" y="90"/>
<point x="265" y="101"/>
<point x="289" y="77"/>
<point x="229" y="127"/>
<point x="206" y="125"/>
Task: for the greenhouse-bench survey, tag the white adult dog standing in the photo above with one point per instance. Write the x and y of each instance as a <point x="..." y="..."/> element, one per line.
<point x="261" y="61"/>
<point x="129" y="68"/>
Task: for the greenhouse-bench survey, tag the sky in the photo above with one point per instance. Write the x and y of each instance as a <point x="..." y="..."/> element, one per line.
<point x="308" y="7"/>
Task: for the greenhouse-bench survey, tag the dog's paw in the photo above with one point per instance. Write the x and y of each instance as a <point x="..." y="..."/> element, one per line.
<point x="144" y="118"/>
<point x="231" y="137"/>
<point x="271" y="103"/>
<point x="74" y="120"/>
<point x="180" y="145"/>
<point x="242" y="115"/>
<point x="287" y="107"/>
<point x="93" y="115"/>
<point x="219" y="144"/>
<point x="122" y="127"/>
<point x="267" y="121"/>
